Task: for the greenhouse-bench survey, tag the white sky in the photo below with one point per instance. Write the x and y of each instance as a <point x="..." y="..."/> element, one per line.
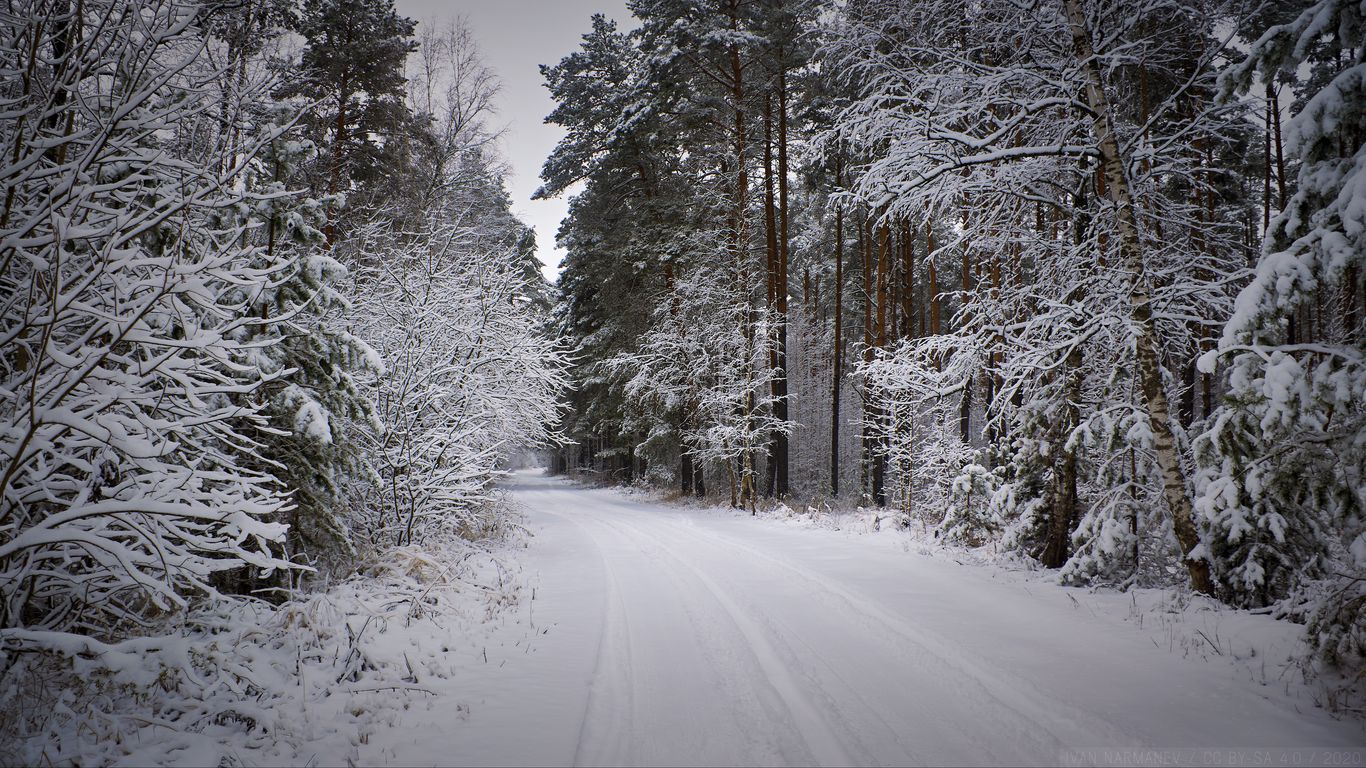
<point x="516" y="36"/>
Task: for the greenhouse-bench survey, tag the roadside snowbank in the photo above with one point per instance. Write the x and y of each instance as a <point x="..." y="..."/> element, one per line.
<point x="249" y="683"/>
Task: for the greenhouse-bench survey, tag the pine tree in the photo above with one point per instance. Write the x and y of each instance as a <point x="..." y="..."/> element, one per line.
<point x="353" y="62"/>
<point x="628" y="237"/>
<point x="1284" y="466"/>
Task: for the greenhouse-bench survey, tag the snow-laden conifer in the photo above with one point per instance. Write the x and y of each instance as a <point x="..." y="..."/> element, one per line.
<point x="1284" y="463"/>
<point x="1285" y="460"/>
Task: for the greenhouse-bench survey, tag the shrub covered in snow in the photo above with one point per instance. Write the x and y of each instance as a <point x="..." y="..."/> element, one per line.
<point x="969" y="519"/>
<point x="129" y="407"/>
<point x="246" y="682"/>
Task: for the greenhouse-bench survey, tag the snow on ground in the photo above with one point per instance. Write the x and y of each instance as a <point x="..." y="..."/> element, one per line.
<point x="309" y="682"/>
<point x="666" y="635"/>
<point x="630" y="632"/>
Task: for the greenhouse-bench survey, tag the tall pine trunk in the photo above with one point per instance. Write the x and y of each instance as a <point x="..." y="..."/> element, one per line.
<point x="837" y="354"/>
<point x="883" y="277"/>
<point x="780" y="443"/>
<point x="865" y="242"/>
<point x="772" y="282"/>
<point x="741" y="202"/>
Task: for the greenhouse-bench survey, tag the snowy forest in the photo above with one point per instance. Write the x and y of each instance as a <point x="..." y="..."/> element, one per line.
<point x="1081" y="280"/>
<point x="1081" y="283"/>
<point x="264" y="312"/>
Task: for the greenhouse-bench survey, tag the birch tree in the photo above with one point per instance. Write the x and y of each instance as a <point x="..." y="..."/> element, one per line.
<point x="999" y="118"/>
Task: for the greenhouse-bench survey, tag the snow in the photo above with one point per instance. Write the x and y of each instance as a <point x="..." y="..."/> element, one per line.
<point x="246" y="683"/>
<point x="669" y="635"/>
<point x="622" y="630"/>
<point x="311" y="420"/>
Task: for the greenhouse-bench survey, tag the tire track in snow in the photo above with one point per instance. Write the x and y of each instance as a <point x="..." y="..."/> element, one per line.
<point x="773" y="658"/>
<point x="637" y="713"/>
<point x="850" y="738"/>
<point x="950" y="736"/>
<point x="828" y="710"/>
<point x="1066" y="725"/>
<point x="611" y="694"/>
<point x="891" y="660"/>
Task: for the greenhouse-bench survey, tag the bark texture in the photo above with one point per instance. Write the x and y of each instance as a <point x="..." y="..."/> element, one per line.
<point x="1174" y="486"/>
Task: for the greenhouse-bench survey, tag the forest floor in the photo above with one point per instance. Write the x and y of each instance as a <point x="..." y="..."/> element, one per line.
<point x="658" y="634"/>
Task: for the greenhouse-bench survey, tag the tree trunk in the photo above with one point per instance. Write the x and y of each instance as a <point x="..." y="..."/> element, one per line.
<point x="884" y="247"/>
<point x="1131" y="257"/>
<point x="883" y="277"/>
<point x="994" y="380"/>
<point x="772" y="281"/>
<point x="866" y="251"/>
<point x="1280" y="154"/>
<point x="934" y="300"/>
<point x="837" y="354"/>
<point x="965" y="406"/>
<point x="908" y="281"/>
<point x="1266" y="174"/>
<point x="780" y="442"/>
<point x="338" y="149"/>
<point x="748" y="489"/>
<point x="739" y="242"/>
<point x="1063" y="515"/>
<point x="770" y="210"/>
<point x="865" y="241"/>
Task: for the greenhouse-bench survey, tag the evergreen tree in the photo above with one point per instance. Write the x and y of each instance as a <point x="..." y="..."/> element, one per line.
<point x="353" y="64"/>
<point x="628" y="234"/>
<point x="1284" y="464"/>
<point x="318" y="446"/>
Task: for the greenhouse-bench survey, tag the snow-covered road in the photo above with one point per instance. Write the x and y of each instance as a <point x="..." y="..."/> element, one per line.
<point x="668" y="636"/>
